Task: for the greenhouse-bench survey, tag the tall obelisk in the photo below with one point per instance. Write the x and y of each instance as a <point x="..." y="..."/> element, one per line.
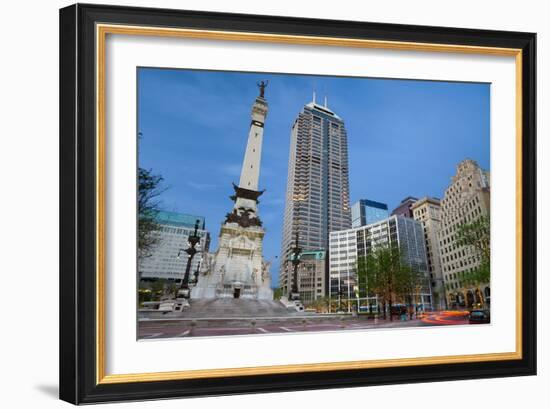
<point x="237" y="269"/>
<point x="250" y="171"/>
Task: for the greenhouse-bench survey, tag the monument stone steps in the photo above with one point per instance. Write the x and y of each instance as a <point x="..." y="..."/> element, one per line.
<point x="231" y="307"/>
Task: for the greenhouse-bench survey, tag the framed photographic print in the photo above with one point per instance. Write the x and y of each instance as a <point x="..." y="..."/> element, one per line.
<point x="257" y="203"/>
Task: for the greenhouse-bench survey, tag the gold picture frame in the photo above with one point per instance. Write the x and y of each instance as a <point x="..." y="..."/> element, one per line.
<point x="96" y="20"/>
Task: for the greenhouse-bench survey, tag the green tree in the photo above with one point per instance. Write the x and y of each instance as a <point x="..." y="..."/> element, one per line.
<point x="144" y="294"/>
<point x="379" y="273"/>
<point x="172" y="289"/>
<point x="409" y="283"/>
<point x="325" y="304"/>
<point x="367" y="280"/>
<point x="362" y="279"/>
<point x="370" y="280"/>
<point x="385" y="274"/>
<point x="158" y="288"/>
<point x="320" y="304"/>
<point x="277" y="293"/>
<point x="148" y="208"/>
<point x="477" y="236"/>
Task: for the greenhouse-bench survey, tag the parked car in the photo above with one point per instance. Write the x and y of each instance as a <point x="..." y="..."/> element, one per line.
<point x="368" y="308"/>
<point x="480" y="317"/>
<point x="398" y="309"/>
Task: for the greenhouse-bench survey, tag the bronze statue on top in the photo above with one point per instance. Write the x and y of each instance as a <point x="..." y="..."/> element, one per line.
<point x="262" y="84"/>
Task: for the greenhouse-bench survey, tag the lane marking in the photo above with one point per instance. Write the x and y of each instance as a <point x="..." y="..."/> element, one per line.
<point x="286" y="329"/>
<point x="158" y="334"/>
<point x="263" y="330"/>
<point x="224" y="328"/>
<point x="184" y="333"/>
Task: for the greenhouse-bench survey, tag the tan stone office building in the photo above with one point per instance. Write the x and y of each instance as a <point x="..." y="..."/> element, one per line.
<point x="466" y="199"/>
<point x="428" y="212"/>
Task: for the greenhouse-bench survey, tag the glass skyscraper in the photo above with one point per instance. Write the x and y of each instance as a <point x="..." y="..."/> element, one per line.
<point x="173" y="232"/>
<point x="179" y="219"/>
<point x="317" y="197"/>
<point x="367" y="211"/>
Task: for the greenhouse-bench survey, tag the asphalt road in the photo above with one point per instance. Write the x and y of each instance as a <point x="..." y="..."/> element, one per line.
<point x="155" y="329"/>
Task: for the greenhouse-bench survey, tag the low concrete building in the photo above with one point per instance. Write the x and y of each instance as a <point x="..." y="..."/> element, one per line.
<point x="347" y="246"/>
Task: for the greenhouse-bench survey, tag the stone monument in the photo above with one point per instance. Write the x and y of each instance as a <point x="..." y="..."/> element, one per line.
<point x="237" y="269"/>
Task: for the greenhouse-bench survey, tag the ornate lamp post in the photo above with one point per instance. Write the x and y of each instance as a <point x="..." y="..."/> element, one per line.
<point x="356" y="291"/>
<point x="196" y="273"/>
<point x="296" y="251"/>
<point x="193" y="240"/>
<point x="457" y="300"/>
<point x="441" y="294"/>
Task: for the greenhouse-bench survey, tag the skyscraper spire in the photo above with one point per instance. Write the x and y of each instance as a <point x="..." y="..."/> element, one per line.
<point x="314" y="96"/>
<point x="326" y="104"/>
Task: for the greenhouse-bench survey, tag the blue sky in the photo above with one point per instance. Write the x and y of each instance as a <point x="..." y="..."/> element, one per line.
<point x="405" y="137"/>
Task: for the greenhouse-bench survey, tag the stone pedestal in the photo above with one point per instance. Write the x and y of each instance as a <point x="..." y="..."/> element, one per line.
<point x="237" y="269"/>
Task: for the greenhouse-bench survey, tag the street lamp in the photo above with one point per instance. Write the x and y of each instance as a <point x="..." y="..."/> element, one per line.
<point x="356" y="291"/>
<point x="440" y="285"/>
<point x="193" y="240"/>
<point x="196" y="274"/>
<point x="456" y="300"/>
<point x="296" y="251"/>
<point x="349" y="289"/>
